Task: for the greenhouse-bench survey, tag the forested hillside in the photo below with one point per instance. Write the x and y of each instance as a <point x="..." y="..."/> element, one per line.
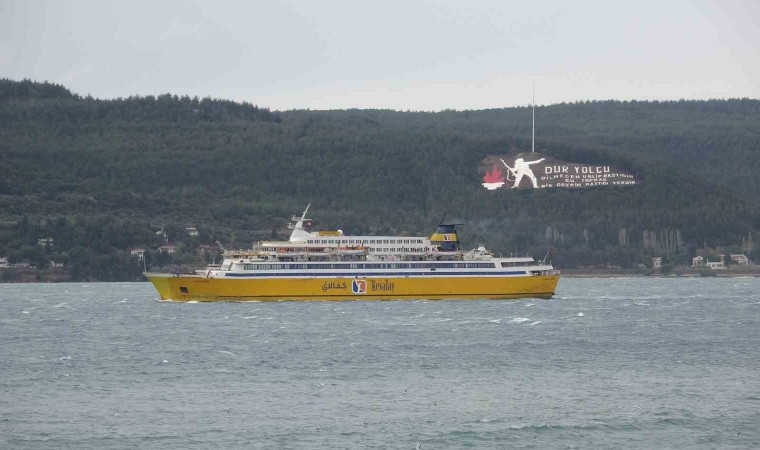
<point x="100" y="177"/>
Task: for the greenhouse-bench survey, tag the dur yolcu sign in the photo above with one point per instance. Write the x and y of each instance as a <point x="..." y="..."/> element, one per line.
<point x="538" y="171"/>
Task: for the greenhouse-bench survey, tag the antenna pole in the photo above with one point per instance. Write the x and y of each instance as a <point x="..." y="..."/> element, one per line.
<point x="533" y="141"/>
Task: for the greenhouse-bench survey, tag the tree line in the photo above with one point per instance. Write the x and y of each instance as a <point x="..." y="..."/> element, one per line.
<point x="116" y="171"/>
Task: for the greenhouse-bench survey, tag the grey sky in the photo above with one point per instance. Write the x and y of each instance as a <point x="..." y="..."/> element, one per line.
<point x="415" y="55"/>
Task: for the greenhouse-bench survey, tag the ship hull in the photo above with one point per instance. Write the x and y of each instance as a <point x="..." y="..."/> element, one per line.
<point x="200" y="288"/>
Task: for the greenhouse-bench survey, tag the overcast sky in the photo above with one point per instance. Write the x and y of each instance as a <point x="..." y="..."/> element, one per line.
<point x="406" y="55"/>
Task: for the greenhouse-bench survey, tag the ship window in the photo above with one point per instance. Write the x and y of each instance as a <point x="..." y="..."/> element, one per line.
<point x="183" y="289"/>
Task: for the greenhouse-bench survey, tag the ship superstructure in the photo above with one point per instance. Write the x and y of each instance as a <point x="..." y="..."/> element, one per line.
<point x="330" y="265"/>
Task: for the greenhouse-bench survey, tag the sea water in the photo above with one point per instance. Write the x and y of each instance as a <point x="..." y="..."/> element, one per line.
<point x="606" y="363"/>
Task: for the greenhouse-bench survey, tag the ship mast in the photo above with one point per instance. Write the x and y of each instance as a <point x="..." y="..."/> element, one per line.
<point x="299" y="234"/>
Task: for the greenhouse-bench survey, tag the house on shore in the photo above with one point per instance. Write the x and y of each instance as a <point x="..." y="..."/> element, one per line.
<point x="740" y="260"/>
<point x="716" y="265"/>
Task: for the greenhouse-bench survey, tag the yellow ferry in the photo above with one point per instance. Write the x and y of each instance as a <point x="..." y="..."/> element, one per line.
<point x="328" y="265"/>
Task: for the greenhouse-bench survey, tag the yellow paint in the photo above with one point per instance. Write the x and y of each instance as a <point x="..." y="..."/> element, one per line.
<point x="200" y="288"/>
<point x="440" y="237"/>
<point x="328" y="233"/>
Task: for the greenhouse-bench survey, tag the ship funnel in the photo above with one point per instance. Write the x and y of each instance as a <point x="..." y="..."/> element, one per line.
<point x="446" y="238"/>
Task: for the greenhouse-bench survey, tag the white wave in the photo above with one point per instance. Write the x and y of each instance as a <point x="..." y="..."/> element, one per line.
<point x="27" y="312"/>
<point x="580" y="314"/>
<point x="534" y="323"/>
<point x="227" y="353"/>
<point x="250" y="317"/>
<point x="495" y="321"/>
<point x="529" y="304"/>
<point x="192" y="301"/>
<point x="65" y="358"/>
<point x="519" y="320"/>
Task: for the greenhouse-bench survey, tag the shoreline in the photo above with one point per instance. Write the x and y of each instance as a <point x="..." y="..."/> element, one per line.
<point x="634" y="275"/>
<point x="745" y="271"/>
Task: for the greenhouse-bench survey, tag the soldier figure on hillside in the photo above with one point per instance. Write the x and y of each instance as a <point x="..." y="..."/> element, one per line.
<point x="522" y="168"/>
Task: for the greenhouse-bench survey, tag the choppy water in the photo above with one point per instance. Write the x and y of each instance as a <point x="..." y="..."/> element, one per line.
<point x="608" y="363"/>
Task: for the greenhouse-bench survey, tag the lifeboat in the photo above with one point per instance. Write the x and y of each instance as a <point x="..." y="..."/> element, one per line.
<point x="351" y="251"/>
